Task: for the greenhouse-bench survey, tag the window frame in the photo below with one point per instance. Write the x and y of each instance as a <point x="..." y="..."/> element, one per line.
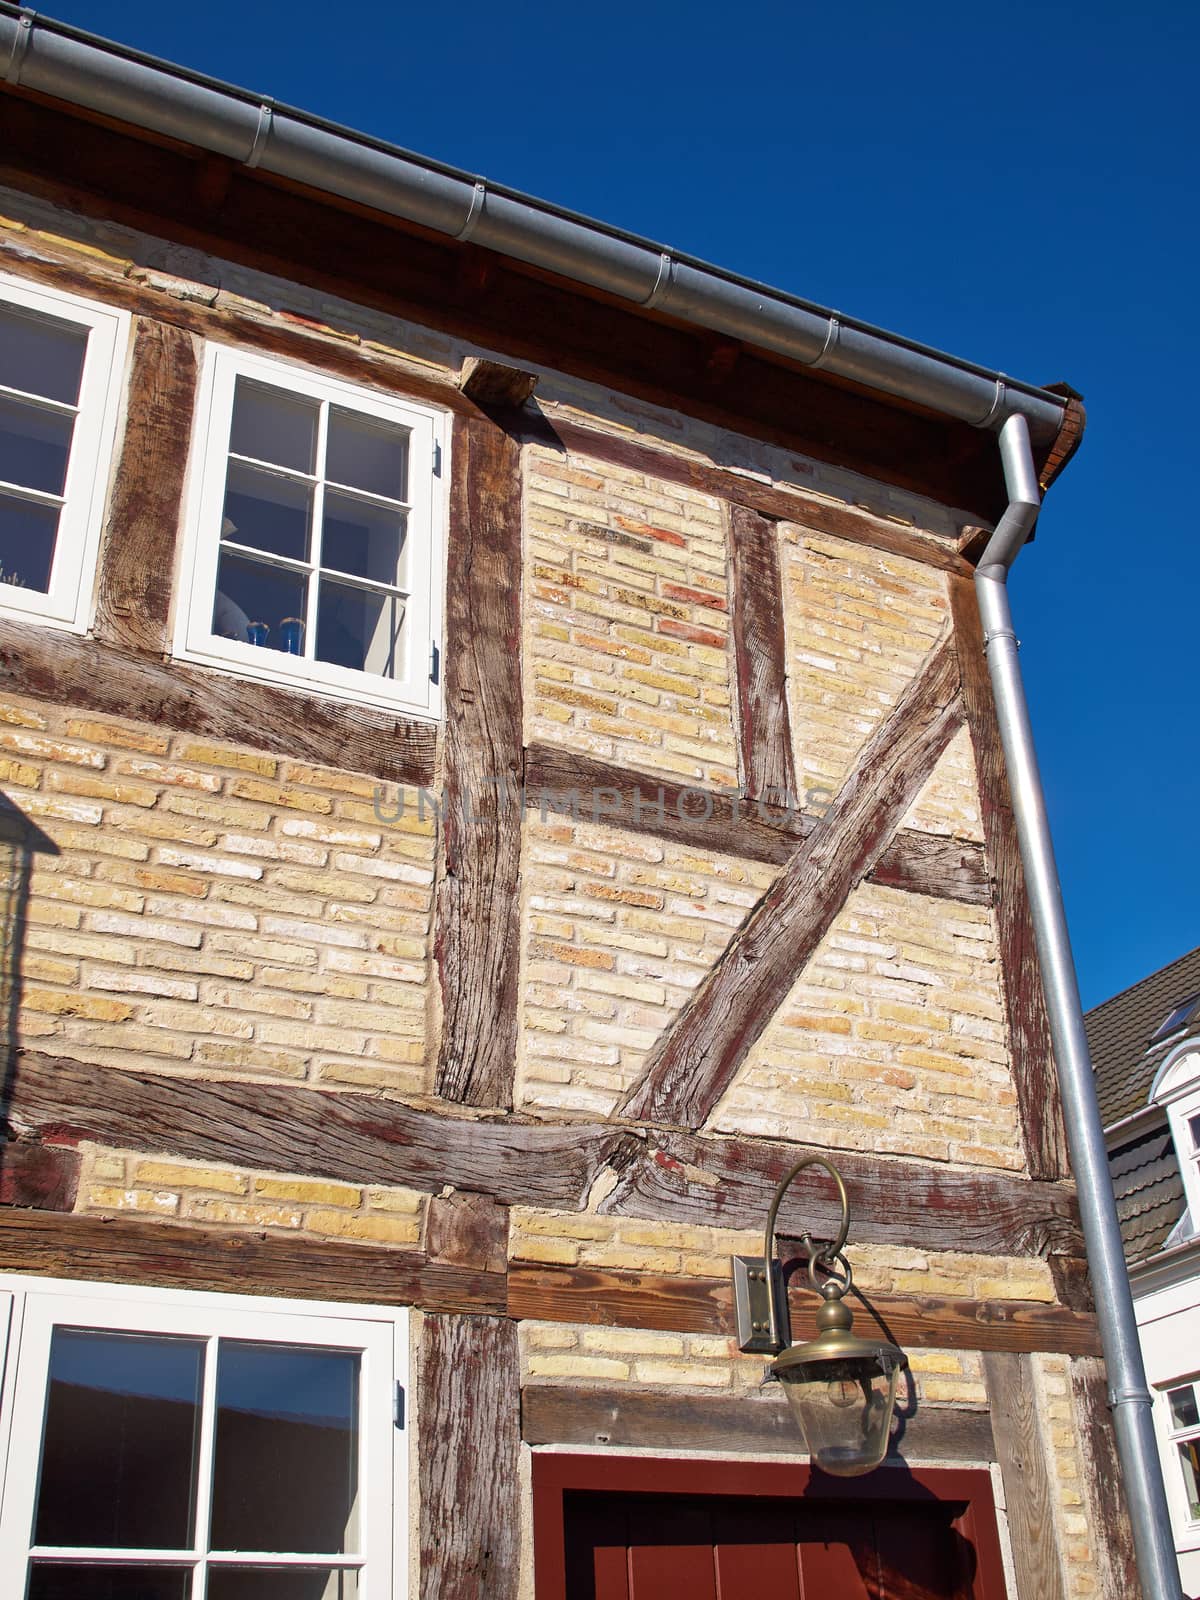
<point x="1171" y="1437"/>
<point x="418" y="695"/>
<point x="380" y="1333"/>
<point x="1176" y="1089"/>
<point x="69" y="601"/>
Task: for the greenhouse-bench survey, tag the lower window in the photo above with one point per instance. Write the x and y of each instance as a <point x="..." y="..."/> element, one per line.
<point x="1183" y="1421"/>
<point x="175" y="1446"/>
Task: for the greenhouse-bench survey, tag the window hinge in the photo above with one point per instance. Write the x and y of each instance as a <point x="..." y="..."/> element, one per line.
<point x="398" y="1406"/>
<point x="435" y="662"/>
<point x="437" y="459"/>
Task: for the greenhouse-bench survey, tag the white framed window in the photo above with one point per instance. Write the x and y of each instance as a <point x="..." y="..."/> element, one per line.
<point x="61" y="362"/>
<point x="314" y="549"/>
<point x="1182" y="1403"/>
<point x="1176" y="1088"/>
<point x="169" y="1445"/>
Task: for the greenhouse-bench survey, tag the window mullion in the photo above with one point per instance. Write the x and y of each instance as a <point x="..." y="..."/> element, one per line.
<point x="205" y="1462"/>
<point x="314" y="586"/>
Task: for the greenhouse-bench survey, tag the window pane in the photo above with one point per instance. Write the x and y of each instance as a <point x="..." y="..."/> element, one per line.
<point x="286" y="1470"/>
<point x="52" y="1582"/>
<point x="362" y="539"/>
<point x="260" y="604"/>
<point x="1189" y="1461"/>
<point x="119" y="1448"/>
<point x="28" y="534"/>
<point x="281" y="1583"/>
<point x="267" y="512"/>
<point x="273" y="425"/>
<point x="360" y="629"/>
<point x="1183" y="1407"/>
<point x="34" y="446"/>
<point x="1194" y="1129"/>
<point x="40" y="355"/>
<point x="366" y="454"/>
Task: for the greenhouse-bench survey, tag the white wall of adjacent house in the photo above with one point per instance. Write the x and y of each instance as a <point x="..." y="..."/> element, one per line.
<point x="1168" y="1318"/>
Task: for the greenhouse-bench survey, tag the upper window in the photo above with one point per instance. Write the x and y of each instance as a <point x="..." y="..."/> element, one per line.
<point x="1176" y="1088"/>
<point x="315" y="539"/>
<point x="1178" y="1018"/>
<point x="58" y="410"/>
<point x="171" y="1446"/>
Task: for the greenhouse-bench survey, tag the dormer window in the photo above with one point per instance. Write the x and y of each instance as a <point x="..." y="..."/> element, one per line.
<point x="1177" y="1019"/>
<point x="1177" y="1090"/>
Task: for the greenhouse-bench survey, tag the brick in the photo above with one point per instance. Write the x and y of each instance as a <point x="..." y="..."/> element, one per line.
<point x="308" y="1191"/>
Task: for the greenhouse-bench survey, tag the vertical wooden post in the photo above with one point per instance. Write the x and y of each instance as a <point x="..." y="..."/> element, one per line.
<point x="1034" y="1076"/>
<point x="1021" y="1452"/>
<point x="1109" y="1515"/>
<point x="137" y="561"/>
<point x="469" y="1432"/>
<point x="478" y="902"/>
<point x="764" y="727"/>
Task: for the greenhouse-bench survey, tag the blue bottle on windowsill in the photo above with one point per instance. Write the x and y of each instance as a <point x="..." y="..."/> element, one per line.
<point x="291" y="632"/>
<point x="257" y="632"/>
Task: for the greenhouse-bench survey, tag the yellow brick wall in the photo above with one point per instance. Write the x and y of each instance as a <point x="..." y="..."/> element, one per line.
<point x="200" y="907"/>
<point x="618" y="930"/>
<point x="113" y="1181"/>
<point x="893" y="1040"/>
<point x="628" y="636"/>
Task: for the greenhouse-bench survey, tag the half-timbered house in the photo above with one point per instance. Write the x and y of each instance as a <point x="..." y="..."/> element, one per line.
<point x="498" y="764"/>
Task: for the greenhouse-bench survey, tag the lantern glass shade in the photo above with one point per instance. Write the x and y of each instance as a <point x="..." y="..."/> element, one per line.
<point x="843" y="1401"/>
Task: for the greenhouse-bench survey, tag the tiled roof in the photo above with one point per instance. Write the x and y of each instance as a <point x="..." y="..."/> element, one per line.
<point x="1149" y="1190"/>
<point x="1119" y="1033"/>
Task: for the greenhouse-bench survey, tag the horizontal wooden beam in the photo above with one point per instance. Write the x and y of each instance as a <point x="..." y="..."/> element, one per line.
<point x="772" y="500"/>
<point x="173" y="1255"/>
<point x="148" y="1250"/>
<point x="728" y="1183"/>
<point x="85" y="673"/>
<point x="358" y="1138"/>
<point x="494" y="386"/>
<point x="710" y="819"/>
<point x="595" y="1297"/>
<point x="758" y="1423"/>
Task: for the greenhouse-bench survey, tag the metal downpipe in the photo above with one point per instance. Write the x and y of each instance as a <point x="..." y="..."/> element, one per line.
<point x="1129" y="1396"/>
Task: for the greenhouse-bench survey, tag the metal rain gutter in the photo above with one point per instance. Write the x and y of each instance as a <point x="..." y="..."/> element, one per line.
<point x="1128" y="1394"/>
<point x="83" y="70"/>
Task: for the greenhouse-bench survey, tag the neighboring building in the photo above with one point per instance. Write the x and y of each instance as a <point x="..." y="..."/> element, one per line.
<point x="381" y="1119"/>
<point x="1145" y="1046"/>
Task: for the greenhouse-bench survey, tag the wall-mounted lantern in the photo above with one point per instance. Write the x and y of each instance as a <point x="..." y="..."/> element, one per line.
<point x="842" y="1389"/>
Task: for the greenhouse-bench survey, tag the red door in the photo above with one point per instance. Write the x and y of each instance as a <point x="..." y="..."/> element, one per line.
<point x="717" y="1531"/>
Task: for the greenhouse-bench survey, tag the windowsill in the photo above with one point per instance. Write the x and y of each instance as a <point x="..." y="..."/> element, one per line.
<point x="311" y="686"/>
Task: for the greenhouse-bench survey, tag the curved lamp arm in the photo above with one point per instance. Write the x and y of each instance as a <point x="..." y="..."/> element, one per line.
<point x="835" y="1245"/>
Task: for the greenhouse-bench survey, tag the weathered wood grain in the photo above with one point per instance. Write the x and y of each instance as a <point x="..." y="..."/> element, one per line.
<point x="563" y="781"/>
<point x="728" y="1183"/>
<point x="1112" y="1535"/>
<point x="494" y="386"/>
<point x="1034" y="1077"/>
<point x="784" y="503"/>
<point x="634" y="1419"/>
<point x="34" y="1174"/>
<point x="137" y="558"/>
<point x="172" y="1255"/>
<point x="694" y="1061"/>
<point x="598" y="1297"/>
<point x="357" y="1138"/>
<point x="91" y="675"/>
<point x="477" y="908"/>
<point x="1021" y="1453"/>
<point x="469" y="1451"/>
<point x="760" y="661"/>
<point x="467" y="1230"/>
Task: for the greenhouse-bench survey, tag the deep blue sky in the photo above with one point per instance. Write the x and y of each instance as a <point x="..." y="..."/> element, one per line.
<point x="1016" y="185"/>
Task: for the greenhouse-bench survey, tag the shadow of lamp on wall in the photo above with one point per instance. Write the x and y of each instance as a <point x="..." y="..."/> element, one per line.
<point x="30" y="1174"/>
<point x="841" y="1388"/>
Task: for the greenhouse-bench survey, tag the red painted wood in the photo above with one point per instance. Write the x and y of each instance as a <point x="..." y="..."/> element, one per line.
<point x="838" y="1555"/>
<point x="753" y="1562"/>
<point x="671" y="1552"/>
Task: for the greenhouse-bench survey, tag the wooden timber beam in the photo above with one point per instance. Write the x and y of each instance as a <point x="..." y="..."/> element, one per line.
<point x="1112" y="1544"/>
<point x="87" y="674"/>
<point x="728" y="1183"/>
<point x="1034" y="1077"/>
<point x="477" y="910"/>
<point x="558" y="780"/>
<point x="495" y="387"/>
<point x="783" y="503"/>
<point x="756" y="595"/>
<point x="125" y="1248"/>
<point x="672" y="1176"/>
<point x="137" y="558"/>
<point x="758" y="1423"/>
<point x="357" y="1138"/>
<point x="1021" y="1450"/>
<point x="694" y="1061"/>
<point x="469" y="1379"/>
